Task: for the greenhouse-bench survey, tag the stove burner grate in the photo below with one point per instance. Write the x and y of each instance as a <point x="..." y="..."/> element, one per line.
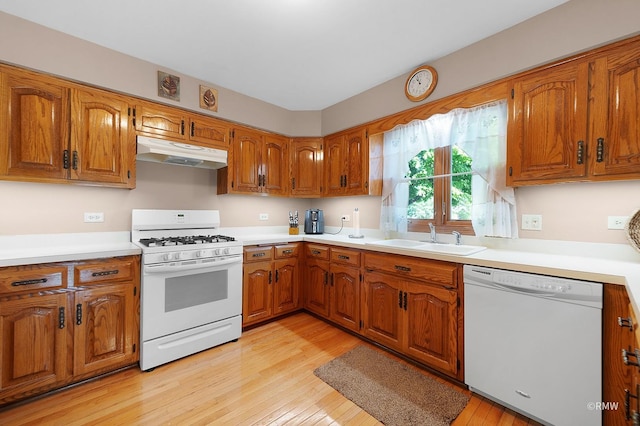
<point x="179" y="241"/>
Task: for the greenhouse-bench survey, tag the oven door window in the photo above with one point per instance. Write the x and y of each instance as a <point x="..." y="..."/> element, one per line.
<point x="193" y="290"/>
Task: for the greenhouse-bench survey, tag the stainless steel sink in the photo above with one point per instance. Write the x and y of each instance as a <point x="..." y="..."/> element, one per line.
<point x="459" y="250"/>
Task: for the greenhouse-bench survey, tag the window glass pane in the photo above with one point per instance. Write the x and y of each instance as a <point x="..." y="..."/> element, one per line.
<point x="421" y="190"/>
<point x="461" y="199"/>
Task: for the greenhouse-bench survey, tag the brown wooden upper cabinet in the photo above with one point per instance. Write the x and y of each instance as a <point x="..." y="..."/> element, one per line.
<point x="258" y="164"/>
<point x="576" y="121"/>
<point x="63" y="133"/>
<point x="169" y="123"/>
<point x="306" y="167"/>
<point x="353" y="163"/>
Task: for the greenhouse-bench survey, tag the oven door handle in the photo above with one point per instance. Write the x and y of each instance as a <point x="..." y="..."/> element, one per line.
<point x="186" y="265"/>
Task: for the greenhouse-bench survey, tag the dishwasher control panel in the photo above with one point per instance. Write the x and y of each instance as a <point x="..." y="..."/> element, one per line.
<point x="535" y="285"/>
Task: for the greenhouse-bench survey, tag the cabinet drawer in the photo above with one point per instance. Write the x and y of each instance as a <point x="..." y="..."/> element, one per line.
<point x="345" y="256"/>
<point x="433" y="271"/>
<point x="258" y="253"/>
<point x="32" y="278"/>
<point x="287" y="250"/>
<point x="107" y="270"/>
<point x="317" y="251"/>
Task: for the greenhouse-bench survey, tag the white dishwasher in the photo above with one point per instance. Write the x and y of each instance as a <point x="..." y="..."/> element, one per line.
<point x="534" y="344"/>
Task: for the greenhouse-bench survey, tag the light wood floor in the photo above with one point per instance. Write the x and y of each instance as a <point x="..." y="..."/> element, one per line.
<point x="265" y="378"/>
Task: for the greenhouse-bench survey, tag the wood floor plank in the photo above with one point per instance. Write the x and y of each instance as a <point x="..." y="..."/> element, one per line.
<point x="265" y="378"/>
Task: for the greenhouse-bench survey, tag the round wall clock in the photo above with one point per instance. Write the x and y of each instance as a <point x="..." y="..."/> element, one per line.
<point x="421" y="83"/>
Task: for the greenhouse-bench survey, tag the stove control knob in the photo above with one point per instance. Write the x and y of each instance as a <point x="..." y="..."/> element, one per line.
<point x="217" y="251"/>
<point x="166" y="256"/>
<point x="177" y="256"/>
<point x="200" y="253"/>
<point x="226" y="250"/>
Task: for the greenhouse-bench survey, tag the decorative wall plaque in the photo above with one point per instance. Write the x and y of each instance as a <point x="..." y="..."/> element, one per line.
<point x="208" y="98"/>
<point x="168" y="86"/>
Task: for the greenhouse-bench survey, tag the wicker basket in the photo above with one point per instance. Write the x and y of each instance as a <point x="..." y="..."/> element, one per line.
<point x="633" y="230"/>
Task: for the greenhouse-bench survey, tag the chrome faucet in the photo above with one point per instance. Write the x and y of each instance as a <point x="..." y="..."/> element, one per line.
<point x="458" y="237"/>
<point x="434" y="237"/>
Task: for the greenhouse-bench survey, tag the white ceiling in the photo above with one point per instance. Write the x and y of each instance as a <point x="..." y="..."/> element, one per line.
<point x="297" y="54"/>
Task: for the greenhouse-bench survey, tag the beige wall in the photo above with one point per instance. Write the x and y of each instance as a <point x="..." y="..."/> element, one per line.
<point x="570" y="212"/>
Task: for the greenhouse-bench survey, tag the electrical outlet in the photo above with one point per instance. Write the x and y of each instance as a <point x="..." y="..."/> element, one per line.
<point x="94" y="217"/>
<point x="345" y="218"/>
<point x="532" y="222"/>
<point x="617" y="222"/>
<point x="263" y="216"/>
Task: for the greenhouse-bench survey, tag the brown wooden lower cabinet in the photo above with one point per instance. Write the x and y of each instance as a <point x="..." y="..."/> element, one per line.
<point x="620" y="381"/>
<point x="271" y="282"/>
<point x="66" y="322"/>
<point x="409" y="305"/>
<point x="413" y="306"/>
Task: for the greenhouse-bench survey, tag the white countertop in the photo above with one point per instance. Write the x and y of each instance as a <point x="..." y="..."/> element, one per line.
<point x="44" y="248"/>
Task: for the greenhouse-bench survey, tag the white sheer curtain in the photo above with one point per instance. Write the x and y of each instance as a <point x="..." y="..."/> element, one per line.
<point x="481" y="133"/>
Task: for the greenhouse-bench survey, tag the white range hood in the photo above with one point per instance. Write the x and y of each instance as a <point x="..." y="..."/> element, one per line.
<point x="178" y="153"/>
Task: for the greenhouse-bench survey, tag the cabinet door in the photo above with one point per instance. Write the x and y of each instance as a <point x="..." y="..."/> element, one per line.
<point x="286" y="286"/>
<point x="357" y="152"/>
<point x="615" y="118"/>
<point x="431" y="326"/>
<point x="617" y="334"/>
<point x="257" y="292"/>
<point x="100" y="143"/>
<point x="275" y="165"/>
<point x="316" y="290"/>
<point x="35" y="337"/>
<point x="34" y="135"/>
<point x="382" y="313"/>
<point x="548" y="126"/>
<point x="158" y="121"/>
<point x="345" y="296"/>
<point x="334" y="165"/>
<point x="306" y="167"/>
<point x="104" y="328"/>
<point x="209" y="132"/>
<point x="245" y="166"/>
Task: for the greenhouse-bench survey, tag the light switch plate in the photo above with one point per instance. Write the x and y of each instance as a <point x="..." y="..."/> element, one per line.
<point x="264" y="216"/>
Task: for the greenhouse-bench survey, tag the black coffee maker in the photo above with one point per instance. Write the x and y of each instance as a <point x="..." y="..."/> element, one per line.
<point x="314" y="221"/>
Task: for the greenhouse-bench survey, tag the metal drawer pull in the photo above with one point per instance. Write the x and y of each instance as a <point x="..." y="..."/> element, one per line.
<point x="61" y="318"/>
<point x="627" y="403"/>
<point x="600" y="151"/>
<point x="626" y="354"/>
<point x="315" y="252"/>
<point x="29" y="282"/>
<point x="580" y="152"/>
<point x="289" y="251"/>
<point x="403" y="268"/>
<point x="79" y="314"/>
<point x="625" y="322"/>
<point x="261" y="254"/>
<point x="105" y="273"/>
<point x="343" y="257"/>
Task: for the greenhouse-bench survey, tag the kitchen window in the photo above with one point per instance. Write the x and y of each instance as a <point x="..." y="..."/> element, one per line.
<point x="440" y="190"/>
<point x="449" y="170"/>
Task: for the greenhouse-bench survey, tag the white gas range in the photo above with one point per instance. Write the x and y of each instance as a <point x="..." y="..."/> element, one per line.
<point x="191" y="290"/>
